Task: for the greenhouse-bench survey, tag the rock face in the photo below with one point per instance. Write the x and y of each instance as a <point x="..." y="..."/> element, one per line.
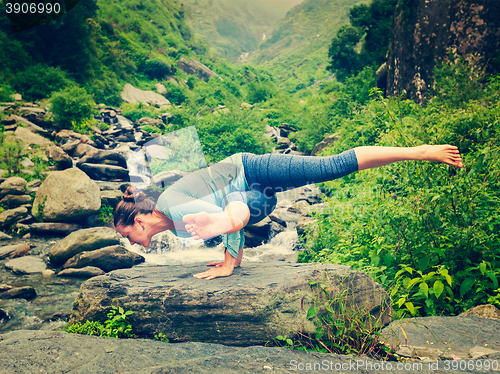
<point x="82" y="240"/>
<point x="194" y="67"/>
<point x="67" y="195"/>
<point x="440" y="337"/>
<point x="257" y="303"/>
<point x="132" y="95"/>
<point x="90" y="354"/>
<point x="424" y="31"/>
<point x="107" y="258"/>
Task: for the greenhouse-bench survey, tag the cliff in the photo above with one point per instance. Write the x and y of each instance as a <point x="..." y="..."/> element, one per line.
<point x="424" y="31"/>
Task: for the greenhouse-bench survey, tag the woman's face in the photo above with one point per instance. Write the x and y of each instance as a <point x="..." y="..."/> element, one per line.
<point x="136" y="233"/>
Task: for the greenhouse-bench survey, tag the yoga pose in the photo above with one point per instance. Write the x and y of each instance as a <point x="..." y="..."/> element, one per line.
<point x="241" y="190"/>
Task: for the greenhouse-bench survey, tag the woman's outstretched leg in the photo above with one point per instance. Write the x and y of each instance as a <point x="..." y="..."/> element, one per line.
<point x="372" y="157"/>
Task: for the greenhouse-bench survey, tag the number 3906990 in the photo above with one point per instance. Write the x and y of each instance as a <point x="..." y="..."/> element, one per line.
<point x="27" y="8"/>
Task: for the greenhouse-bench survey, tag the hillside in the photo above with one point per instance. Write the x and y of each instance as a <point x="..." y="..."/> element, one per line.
<point x="296" y="49"/>
<point x="235" y="27"/>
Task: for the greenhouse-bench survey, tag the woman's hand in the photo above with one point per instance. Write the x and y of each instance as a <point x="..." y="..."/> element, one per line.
<point x="221" y="269"/>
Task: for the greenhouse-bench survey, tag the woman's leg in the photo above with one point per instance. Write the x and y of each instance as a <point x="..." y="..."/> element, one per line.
<point x="273" y="173"/>
<point x="372" y="157"/>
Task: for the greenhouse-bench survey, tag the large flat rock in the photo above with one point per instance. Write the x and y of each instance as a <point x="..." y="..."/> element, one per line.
<point x="24" y="352"/>
<point x="257" y="303"/>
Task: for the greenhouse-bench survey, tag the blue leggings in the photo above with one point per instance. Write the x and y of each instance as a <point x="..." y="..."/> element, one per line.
<point x="271" y="173"/>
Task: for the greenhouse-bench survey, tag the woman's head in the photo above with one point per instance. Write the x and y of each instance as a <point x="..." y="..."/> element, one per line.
<point x="133" y="202"/>
<point x="129" y="215"/>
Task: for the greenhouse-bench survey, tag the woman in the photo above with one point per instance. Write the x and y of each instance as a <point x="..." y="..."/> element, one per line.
<point x="241" y="190"/>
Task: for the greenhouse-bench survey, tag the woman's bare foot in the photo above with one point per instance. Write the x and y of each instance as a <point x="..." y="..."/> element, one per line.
<point x="447" y="154"/>
<point x="207" y="225"/>
<point x="221" y="263"/>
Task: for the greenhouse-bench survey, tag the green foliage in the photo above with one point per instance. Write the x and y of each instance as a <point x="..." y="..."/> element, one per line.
<point x="10" y="154"/>
<point x="116" y="326"/>
<point x="40" y="81"/>
<point x="238" y="130"/>
<point x="176" y="94"/>
<point x="341" y="327"/>
<point x="38" y="209"/>
<point x="161" y="337"/>
<point x="105" y="216"/>
<point x="135" y="112"/>
<point x="71" y="106"/>
<point x="344" y="59"/>
<point x="157" y="69"/>
<point x="428" y="232"/>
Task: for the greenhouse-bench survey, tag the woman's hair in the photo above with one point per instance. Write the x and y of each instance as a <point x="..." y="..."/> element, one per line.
<point x="133" y="202"/>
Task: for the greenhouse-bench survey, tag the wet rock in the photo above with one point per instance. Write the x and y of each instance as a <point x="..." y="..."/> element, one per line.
<point x="54" y="228"/>
<point x="104" y="157"/>
<point x="166" y="178"/>
<point x="26" y="292"/>
<point x="10" y="216"/>
<point x="67" y="195"/>
<point x="4" y="236"/>
<point x="84" y="150"/>
<point x="105" y="172"/>
<point x="108" y="259"/>
<point x="13" y="186"/>
<point x="28" y="125"/>
<point x="483" y="311"/>
<point x="26" y="265"/>
<point x="14" y="250"/>
<point x="260" y="228"/>
<point x="65" y="136"/>
<point x="82" y="240"/>
<point x="257" y="303"/>
<point x="85" y="272"/>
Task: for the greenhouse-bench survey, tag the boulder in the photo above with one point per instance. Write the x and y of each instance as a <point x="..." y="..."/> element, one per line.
<point x="67" y="136"/>
<point x="28" y="124"/>
<point x="91" y="354"/>
<point x="26" y="265"/>
<point x="105" y="158"/>
<point x="68" y="195"/>
<point x="85" y="272"/>
<point x="326" y="142"/>
<point x="194" y="67"/>
<point x="108" y="259"/>
<point x="13" y="186"/>
<point x="160" y="88"/>
<point x="14" y="250"/>
<point x="54" y="228"/>
<point x="26" y="292"/>
<point x="4" y="236"/>
<point x="83" y="150"/>
<point x="105" y="172"/>
<point x="8" y="217"/>
<point x="82" y="240"/>
<point x="257" y="303"/>
<point x="483" y="311"/>
<point x="30" y="138"/>
<point x="166" y="178"/>
<point x="133" y="95"/>
<point x="450" y="335"/>
<point x="60" y="158"/>
<point x="13" y="201"/>
<point x="111" y="198"/>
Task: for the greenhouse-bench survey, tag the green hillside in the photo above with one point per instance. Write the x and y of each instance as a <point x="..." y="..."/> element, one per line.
<point x="296" y="51"/>
<point x="233" y="27"/>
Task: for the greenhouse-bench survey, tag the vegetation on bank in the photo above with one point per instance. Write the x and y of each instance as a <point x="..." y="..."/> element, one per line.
<point x="427" y="232"/>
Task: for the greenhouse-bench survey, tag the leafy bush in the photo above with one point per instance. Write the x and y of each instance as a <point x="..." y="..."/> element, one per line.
<point x="116" y="326"/>
<point x="156" y="69"/>
<point x="10" y="152"/>
<point x="71" y="105"/>
<point x="429" y="233"/>
<point x="340" y="327"/>
<point x="105" y="216"/>
<point x="176" y="94"/>
<point x="40" y="81"/>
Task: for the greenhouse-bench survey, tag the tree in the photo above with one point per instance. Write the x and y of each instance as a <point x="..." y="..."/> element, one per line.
<point x="344" y="59"/>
